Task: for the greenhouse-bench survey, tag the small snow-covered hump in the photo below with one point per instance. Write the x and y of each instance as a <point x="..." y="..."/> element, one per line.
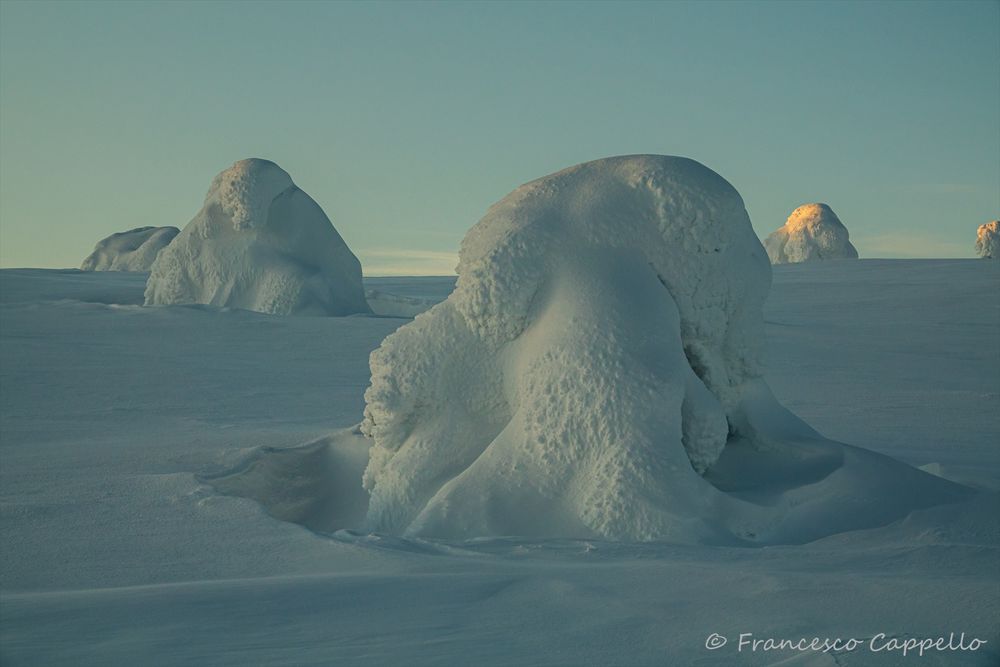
<point x="988" y="240"/>
<point x="134" y="250"/>
<point x="259" y="243"/>
<point x="812" y="232"/>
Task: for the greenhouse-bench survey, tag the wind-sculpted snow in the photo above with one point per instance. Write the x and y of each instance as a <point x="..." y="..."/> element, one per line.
<point x="988" y="240"/>
<point x="125" y="428"/>
<point x="134" y="250"/>
<point x="259" y="243"/>
<point x="812" y="231"/>
<point x="600" y="352"/>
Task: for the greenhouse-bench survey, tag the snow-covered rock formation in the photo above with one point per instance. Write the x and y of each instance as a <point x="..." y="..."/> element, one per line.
<point x="259" y="243"/>
<point x="812" y="231"/>
<point x="597" y="372"/>
<point x="134" y="250"/>
<point x="988" y="240"/>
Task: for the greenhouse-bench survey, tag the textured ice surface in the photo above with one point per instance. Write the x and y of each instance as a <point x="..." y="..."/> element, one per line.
<point x="988" y="240"/>
<point x="812" y="231"/>
<point x="259" y="243"/>
<point x="134" y="250"/>
<point x="601" y="350"/>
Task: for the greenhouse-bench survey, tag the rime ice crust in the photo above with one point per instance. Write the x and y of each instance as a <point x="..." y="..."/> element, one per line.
<point x="812" y="231"/>
<point x="134" y="250"/>
<point x="605" y="321"/>
<point x="597" y="372"/>
<point x="259" y="243"/>
<point x="988" y="240"/>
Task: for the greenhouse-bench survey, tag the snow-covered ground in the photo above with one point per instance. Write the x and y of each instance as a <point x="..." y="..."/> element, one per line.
<point x="118" y="548"/>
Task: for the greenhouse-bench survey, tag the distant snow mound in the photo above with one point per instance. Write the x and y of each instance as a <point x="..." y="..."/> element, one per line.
<point x="812" y="231"/>
<point x="988" y="240"/>
<point x="394" y="305"/>
<point x="134" y="250"/>
<point x="597" y="372"/>
<point x="259" y="243"/>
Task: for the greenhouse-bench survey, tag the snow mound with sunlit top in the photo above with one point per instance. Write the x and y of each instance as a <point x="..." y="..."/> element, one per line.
<point x="259" y="243"/>
<point x="812" y="232"/>
<point x="597" y="372"/>
<point x="988" y="240"/>
<point x="134" y="250"/>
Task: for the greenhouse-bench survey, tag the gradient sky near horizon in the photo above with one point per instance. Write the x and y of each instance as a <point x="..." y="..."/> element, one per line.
<point x="405" y="121"/>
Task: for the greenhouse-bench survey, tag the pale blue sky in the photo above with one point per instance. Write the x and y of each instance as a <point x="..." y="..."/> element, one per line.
<point x="406" y="121"/>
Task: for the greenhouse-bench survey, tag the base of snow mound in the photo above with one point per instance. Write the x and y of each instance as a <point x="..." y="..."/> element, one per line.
<point x="259" y="243"/>
<point x="316" y="484"/>
<point x="988" y="240"/>
<point x="797" y="488"/>
<point x="602" y="350"/>
<point x="134" y="250"/>
<point x="812" y="231"/>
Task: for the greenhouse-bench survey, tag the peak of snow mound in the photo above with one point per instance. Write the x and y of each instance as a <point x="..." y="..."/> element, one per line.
<point x="259" y="243"/>
<point x="988" y="240"/>
<point x="134" y="250"/>
<point x="601" y="351"/>
<point x="812" y="232"/>
<point x="245" y="190"/>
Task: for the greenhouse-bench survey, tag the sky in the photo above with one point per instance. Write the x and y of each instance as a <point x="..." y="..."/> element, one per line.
<point x="405" y="121"/>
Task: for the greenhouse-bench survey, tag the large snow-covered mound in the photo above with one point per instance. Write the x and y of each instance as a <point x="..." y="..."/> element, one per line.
<point x="259" y="243"/>
<point x="812" y="231"/>
<point x="602" y="350"/>
<point x="988" y="240"/>
<point x="134" y="250"/>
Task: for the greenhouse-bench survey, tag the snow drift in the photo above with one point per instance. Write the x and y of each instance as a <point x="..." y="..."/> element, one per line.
<point x="259" y="243"/>
<point x="134" y="250"/>
<point x="597" y="372"/>
<point x="988" y="240"/>
<point x="812" y="231"/>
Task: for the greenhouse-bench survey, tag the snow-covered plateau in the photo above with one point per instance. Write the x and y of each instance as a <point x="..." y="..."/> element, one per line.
<point x="175" y="484"/>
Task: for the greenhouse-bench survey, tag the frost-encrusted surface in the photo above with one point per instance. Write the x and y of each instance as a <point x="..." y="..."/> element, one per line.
<point x="134" y="250"/>
<point x="533" y="387"/>
<point x="988" y="240"/>
<point x="259" y="243"/>
<point x="602" y="345"/>
<point x="812" y="231"/>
